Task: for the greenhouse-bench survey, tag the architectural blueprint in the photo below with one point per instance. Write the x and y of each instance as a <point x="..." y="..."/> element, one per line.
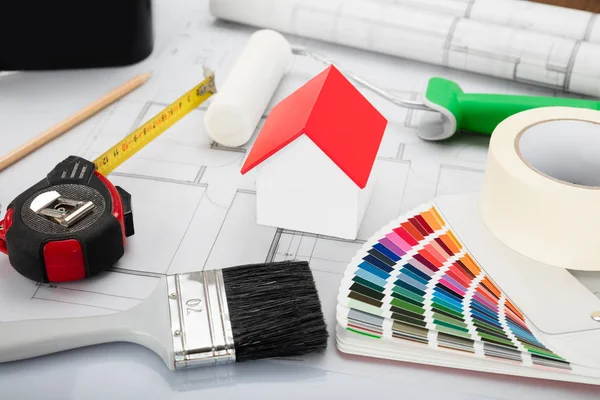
<point x="192" y="208"/>
<point x="462" y="41"/>
<point x="522" y="14"/>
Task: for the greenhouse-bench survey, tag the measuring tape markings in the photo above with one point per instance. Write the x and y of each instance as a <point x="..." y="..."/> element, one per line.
<point x="51" y="242"/>
<point x="151" y="129"/>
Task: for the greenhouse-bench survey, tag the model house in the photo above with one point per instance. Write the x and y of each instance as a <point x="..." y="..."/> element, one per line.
<point x="314" y="156"/>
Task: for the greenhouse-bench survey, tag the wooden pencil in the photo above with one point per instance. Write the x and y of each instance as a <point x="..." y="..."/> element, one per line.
<point x="68" y="123"/>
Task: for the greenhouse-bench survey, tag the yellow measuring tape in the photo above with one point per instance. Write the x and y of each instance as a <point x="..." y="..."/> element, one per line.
<point x="156" y="125"/>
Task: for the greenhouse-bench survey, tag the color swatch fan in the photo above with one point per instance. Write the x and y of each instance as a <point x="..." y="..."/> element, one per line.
<point x="415" y="293"/>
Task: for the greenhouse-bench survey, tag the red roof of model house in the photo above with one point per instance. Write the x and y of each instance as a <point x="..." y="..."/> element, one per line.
<point x="334" y="115"/>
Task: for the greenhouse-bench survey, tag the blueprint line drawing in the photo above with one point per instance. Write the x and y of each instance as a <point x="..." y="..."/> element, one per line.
<point x="409" y="29"/>
<point x="521" y="14"/>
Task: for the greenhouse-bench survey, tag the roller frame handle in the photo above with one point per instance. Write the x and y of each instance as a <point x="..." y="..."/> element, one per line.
<point x="481" y="113"/>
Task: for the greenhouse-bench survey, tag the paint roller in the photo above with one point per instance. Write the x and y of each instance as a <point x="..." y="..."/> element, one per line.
<point x="238" y="106"/>
<point x="241" y="101"/>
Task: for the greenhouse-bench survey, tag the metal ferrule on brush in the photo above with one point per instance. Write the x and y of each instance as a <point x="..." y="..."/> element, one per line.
<point x="200" y="324"/>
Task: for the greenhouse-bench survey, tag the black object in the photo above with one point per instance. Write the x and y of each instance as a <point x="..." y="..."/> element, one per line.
<point x="274" y="310"/>
<point x="69" y="34"/>
<point x="46" y="249"/>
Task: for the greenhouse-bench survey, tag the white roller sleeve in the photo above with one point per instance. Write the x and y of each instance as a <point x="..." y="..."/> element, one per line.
<point x="242" y="99"/>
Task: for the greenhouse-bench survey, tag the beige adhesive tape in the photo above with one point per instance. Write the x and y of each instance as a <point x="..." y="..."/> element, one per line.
<point x="541" y="192"/>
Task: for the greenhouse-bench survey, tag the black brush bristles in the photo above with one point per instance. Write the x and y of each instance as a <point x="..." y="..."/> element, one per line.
<point x="275" y="310"/>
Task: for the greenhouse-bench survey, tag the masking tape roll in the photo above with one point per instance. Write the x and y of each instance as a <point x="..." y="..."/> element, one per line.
<point x="541" y="191"/>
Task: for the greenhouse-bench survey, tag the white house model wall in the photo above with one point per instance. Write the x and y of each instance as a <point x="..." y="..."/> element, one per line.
<point x="300" y="188"/>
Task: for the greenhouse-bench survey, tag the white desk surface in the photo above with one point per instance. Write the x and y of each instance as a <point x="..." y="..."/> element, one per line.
<point x="199" y="236"/>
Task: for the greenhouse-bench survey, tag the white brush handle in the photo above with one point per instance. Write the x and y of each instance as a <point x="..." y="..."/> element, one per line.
<point x="32" y="338"/>
<point x="146" y="324"/>
<point x="240" y="102"/>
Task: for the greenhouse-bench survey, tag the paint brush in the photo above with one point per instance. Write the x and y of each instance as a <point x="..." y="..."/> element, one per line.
<point x="195" y="319"/>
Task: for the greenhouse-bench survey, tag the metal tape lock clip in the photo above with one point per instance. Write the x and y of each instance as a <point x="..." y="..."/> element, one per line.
<point x="65" y="212"/>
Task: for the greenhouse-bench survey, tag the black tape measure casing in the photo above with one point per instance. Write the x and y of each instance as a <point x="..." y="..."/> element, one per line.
<point x="82" y="230"/>
<point x="46" y="242"/>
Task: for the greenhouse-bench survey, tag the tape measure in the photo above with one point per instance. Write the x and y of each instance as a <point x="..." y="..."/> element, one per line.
<point x="152" y="128"/>
<point x="74" y="223"/>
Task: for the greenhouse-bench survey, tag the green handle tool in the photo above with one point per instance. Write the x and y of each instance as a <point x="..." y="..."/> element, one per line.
<point x="476" y="112"/>
<point x="456" y="110"/>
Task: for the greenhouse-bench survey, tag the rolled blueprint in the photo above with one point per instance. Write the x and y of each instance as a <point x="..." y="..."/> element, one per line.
<point x="544" y="18"/>
<point x="462" y="43"/>
<point x="542" y="187"/>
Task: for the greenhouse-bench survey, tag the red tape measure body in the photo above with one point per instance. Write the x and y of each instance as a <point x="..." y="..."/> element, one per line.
<point x="71" y="225"/>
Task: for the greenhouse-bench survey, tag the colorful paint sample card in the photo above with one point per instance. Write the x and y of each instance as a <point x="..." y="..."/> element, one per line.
<point x="414" y="292"/>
